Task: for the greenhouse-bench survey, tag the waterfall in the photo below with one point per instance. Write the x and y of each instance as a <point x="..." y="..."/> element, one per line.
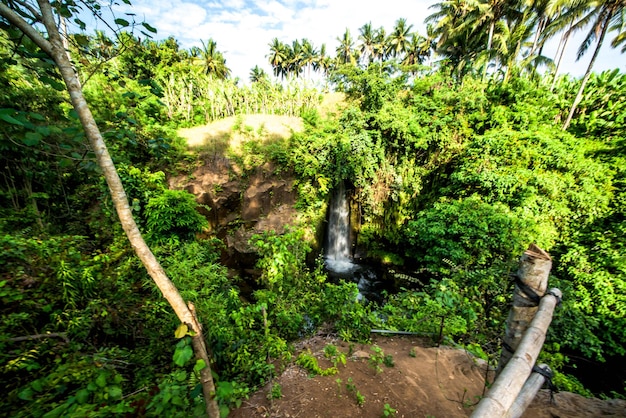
<point x="338" y="258"/>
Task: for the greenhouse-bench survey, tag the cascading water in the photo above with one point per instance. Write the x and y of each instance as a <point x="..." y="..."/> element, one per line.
<point x="339" y="261"/>
<point x="338" y="258"/>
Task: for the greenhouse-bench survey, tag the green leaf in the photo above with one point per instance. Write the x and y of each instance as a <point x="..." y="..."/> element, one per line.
<point x="200" y="364"/>
<point x="5" y="115"/>
<point x="65" y="162"/>
<point x="80" y="23"/>
<point x="115" y="392"/>
<point x="224" y="411"/>
<point x="180" y="376"/>
<point x="36" y="385"/>
<point x="31" y="138"/>
<point x="82" y="396"/>
<point x="36" y="116"/>
<point x="149" y="27"/>
<point x="101" y="380"/>
<point x="26" y="394"/>
<point x="53" y="83"/>
<point x="181" y="331"/>
<point x="43" y="130"/>
<point x="182" y="355"/>
<point x="82" y="40"/>
<point x="122" y="22"/>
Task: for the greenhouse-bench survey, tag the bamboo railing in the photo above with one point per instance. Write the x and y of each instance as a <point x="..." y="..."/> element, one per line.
<point x="518" y="379"/>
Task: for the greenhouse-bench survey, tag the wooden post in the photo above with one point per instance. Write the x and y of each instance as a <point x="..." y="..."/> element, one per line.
<point x="502" y="395"/>
<point x="529" y="390"/>
<point x="531" y="284"/>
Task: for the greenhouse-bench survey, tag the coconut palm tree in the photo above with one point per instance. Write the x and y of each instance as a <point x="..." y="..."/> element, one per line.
<point x="380" y="44"/>
<point x="213" y="60"/>
<point x="417" y="50"/>
<point x="278" y="57"/>
<point x="323" y="62"/>
<point x="257" y="74"/>
<point x="295" y="58"/>
<point x="563" y="14"/>
<point x="367" y="36"/>
<point x="309" y="55"/>
<point x="456" y="41"/>
<point x="603" y="16"/>
<point x="399" y="39"/>
<point x="345" y="50"/>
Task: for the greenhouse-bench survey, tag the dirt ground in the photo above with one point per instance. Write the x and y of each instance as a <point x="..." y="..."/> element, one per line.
<point x="425" y="381"/>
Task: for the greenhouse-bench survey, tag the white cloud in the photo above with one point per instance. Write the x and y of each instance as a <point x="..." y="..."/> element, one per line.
<point x="244" y="28"/>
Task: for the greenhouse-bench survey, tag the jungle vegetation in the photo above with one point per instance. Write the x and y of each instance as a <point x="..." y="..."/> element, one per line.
<point x="460" y="147"/>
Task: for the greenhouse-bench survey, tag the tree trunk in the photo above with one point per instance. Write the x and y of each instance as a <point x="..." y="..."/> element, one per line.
<point x="492" y="27"/>
<point x="562" y="45"/>
<point x="579" y="96"/>
<point x="533" y="272"/>
<point x="505" y="390"/>
<point x="54" y="48"/>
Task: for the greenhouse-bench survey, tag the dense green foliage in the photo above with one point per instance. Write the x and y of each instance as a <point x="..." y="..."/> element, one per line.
<point x="453" y="174"/>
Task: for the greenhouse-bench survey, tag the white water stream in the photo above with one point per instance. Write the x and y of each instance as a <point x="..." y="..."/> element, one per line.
<point x="338" y="257"/>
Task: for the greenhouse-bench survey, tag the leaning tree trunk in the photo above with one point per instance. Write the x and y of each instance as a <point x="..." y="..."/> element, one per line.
<point x="54" y="48"/>
<point x="579" y="96"/>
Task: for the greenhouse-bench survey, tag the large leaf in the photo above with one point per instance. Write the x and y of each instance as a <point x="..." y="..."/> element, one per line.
<point x="31" y="138"/>
<point x="182" y="355"/>
<point x="181" y="331"/>
<point x="5" y="115"/>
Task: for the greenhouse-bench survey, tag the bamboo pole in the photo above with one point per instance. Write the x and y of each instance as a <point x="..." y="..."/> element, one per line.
<point x="529" y="391"/>
<point x="531" y="284"/>
<point x="507" y="386"/>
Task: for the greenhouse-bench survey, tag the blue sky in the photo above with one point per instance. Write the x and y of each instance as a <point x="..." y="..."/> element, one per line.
<point x="243" y="29"/>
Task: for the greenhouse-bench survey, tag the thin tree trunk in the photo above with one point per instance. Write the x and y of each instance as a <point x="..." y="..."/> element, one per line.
<point x="579" y="95"/>
<point x="54" y="48"/>
<point x="492" y="26"/>
<point x="562" y="45"/>
<point x="540" y="26"/>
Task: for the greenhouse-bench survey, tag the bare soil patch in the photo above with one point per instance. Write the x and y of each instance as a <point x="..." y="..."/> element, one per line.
<point x="425" y="381"/>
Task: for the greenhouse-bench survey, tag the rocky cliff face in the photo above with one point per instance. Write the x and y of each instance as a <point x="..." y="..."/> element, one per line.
<point x="239" y="205"/>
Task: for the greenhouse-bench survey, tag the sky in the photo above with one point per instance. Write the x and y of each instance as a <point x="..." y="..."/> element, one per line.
<point x="243" y="29"/>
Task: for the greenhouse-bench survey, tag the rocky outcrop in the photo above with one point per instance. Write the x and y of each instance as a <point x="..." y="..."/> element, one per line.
<point x="239" y="205"/>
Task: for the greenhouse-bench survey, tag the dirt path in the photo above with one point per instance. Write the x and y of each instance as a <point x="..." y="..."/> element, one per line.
<point x="425" y="381"/>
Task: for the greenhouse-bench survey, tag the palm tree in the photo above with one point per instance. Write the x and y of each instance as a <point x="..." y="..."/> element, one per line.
<point x="257" y="74"/>
<point x="367" y="37"/>
<point x="603" y="16"/>
<point x="456" y="41"/>
<point x="309" y="55"/>
<point x="380" y="44"/>
<point x="564" y="14"/>
<point x="345" y="50"/>
<point x="212" y="59"/>
<point x="278" y="57"/>
<point x="295" y="56"/>
<point x="398" y="42"/>
<point x="323" y="62"/>
<point x="417" y="50"/>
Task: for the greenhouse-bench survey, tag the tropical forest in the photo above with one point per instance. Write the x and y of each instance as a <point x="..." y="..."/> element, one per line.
<point x="170" y="234"/>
